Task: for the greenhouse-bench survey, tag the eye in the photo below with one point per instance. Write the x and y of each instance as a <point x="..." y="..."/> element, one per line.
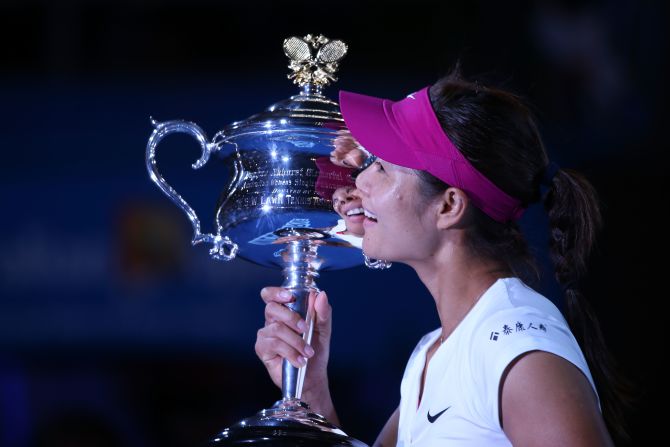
<point x="378" y="166"/>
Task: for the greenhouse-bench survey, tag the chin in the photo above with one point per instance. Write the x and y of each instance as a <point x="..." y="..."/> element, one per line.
<point x="372" y="250"/>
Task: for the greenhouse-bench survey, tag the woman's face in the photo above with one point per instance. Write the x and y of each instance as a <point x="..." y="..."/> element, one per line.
<point x="397" y="220"/>
<point x="347" y="203"/>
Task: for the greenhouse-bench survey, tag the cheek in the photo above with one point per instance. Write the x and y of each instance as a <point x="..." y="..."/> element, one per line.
<point x="402" y="223"/>
<point x="414" y="230"/>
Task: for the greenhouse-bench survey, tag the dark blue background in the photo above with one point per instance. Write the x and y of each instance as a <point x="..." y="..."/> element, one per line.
<point x="114" y="331"/>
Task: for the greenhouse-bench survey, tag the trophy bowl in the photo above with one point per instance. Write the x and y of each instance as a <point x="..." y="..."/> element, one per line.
<point x="275" y="208"/>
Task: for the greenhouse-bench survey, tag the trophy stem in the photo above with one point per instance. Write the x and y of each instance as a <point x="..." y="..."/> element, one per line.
<point x="300" y="272"/>
<point x="290" y="422"/>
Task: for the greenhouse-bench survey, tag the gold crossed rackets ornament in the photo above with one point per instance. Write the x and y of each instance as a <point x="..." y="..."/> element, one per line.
<point x="313" y="69"/>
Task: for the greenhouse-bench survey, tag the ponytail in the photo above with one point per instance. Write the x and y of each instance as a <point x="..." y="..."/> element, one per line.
<point x="574" y="220"/>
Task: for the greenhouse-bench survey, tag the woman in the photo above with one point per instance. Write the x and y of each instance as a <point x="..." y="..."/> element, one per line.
<point x="457" y="165"/>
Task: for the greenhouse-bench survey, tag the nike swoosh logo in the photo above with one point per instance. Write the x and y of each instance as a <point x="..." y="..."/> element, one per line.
<point x="432" y="419"/>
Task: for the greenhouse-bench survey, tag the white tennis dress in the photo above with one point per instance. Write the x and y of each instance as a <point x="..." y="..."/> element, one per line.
<point x="460" y="399"/>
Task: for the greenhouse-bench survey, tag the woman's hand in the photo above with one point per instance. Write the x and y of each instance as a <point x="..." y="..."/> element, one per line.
<point x="281" y="337"/>
<point x="347" y="152"/>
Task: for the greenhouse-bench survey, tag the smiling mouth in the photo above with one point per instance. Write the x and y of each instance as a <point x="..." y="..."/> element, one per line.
<point x="355" y="212"/>
<point x="369" y="215"/>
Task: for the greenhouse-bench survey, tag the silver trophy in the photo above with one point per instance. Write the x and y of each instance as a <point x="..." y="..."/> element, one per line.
<point x="275" y="208"/>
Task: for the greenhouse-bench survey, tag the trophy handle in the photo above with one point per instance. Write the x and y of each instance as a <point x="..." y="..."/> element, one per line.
<point x="223" y="248"/>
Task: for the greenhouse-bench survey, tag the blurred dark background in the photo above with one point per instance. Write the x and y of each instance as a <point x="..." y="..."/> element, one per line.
<point x="115" y="332"/>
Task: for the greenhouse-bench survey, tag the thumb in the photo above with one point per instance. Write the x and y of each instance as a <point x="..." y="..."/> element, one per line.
<point x="322" y="306"/>
<point x="323" y="314"/>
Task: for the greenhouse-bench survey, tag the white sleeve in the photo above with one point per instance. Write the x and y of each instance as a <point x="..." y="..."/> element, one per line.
<point x="509" y="334"/>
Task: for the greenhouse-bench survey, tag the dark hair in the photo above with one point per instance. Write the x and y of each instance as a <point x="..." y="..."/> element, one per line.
<point x="498" y="134"/>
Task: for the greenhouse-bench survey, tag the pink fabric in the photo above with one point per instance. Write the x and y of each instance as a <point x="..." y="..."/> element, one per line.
<point x="407" y="133"/>
<point x="331" y="177"/>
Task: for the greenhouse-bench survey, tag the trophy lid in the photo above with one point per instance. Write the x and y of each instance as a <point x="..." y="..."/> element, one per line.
<point x="314" y="60"/>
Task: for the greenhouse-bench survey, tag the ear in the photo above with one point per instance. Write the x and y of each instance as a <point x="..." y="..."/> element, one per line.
<point x="452" y="206"/>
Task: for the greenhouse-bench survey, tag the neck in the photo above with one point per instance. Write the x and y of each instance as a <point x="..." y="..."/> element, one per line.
<point x="456" y="280"/>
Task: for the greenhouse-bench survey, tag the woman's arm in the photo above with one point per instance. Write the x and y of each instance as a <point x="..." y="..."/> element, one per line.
<point x="388" y="437"/>
<point x="320" y="402"/>
<point x="546" y="400"/>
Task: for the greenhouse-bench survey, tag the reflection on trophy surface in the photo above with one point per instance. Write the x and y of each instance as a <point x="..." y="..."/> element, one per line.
<point x="287" y="200"/>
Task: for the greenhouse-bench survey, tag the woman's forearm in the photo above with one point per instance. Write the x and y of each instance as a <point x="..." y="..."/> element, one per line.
<point x="320" y="402"/>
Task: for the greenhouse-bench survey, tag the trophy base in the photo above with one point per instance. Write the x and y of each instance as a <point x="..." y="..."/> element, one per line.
<point x="287" y="423"/>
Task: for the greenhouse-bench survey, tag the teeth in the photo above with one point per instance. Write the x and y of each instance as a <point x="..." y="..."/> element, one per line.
<point x="353" y="211"/>
<point x="369" y="214"/>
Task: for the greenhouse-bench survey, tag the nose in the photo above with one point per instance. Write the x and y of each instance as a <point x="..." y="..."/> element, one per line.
<point x="345" y="195"/>
<point x="362" y="183"/>
<point x="352" y="194"/>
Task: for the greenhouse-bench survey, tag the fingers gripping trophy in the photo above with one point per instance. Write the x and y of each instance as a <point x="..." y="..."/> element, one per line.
<point x="279" y="206"/>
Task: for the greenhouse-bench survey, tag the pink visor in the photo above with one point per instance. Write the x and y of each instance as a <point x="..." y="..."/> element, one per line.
<point x="407" y="133"/>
